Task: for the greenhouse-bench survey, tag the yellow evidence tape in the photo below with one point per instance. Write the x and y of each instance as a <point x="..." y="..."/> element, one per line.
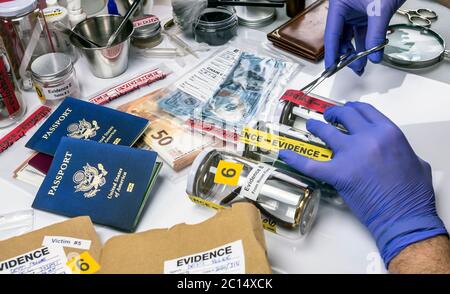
<point x="274" y="142"/>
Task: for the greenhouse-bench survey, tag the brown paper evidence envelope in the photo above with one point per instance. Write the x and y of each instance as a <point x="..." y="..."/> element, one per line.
<point x="146" y="252"/>
<point x="79" y="228"/>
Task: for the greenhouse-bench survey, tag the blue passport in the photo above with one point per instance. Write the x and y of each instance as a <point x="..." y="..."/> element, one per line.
<point x="79" y="119"/>
<point x="109" y="183"/>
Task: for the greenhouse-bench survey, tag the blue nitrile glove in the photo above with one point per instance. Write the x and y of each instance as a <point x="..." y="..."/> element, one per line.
<point x="364" y="20"/>
<point x="386" y="185"/>
<point x="112" y="7"/>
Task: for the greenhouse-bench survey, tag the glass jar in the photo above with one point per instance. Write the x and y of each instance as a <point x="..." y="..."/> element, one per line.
<point x="147" y="32"/>
<point x="25" y="34"/>
<point x="59" y="15"/>
<point x="216" y="26"/>
<point x="328" y="193"/>
<point x="223" y="178"/>
<point x="12" y="108"/>
<point x="54" y="78"/>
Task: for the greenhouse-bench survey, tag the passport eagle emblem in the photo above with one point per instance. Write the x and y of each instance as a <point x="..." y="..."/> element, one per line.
<point x="90" y="179"/>
<point x="83" y="129"/>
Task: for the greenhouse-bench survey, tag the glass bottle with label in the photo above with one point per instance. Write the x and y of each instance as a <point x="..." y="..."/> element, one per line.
<point x="25" y="34"/>
<point x="221" y="178"/>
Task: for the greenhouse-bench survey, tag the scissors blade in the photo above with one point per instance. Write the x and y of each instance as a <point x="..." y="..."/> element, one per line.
<point x="319" y="81"/>
<point x="345" y="60"/>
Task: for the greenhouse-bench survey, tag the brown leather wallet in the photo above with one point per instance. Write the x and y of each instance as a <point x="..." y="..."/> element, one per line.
<point x="303" y="35"/>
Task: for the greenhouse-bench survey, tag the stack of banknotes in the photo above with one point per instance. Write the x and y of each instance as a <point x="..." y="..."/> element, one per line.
<point x="228" y="90"/>
<point x="174" y="142"/>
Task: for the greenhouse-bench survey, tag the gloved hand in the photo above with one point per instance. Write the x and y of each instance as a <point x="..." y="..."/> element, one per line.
<point x="357" y="19"/>
<point x="385" y="184"/>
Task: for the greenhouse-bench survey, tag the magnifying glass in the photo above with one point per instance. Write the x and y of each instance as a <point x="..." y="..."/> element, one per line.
<point x="414" y="47"/>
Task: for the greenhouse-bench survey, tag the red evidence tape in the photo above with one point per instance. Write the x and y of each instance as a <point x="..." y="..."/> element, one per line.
<point x="20" y="131"/>
<point x="299" y="98"/>
<point x="122" y="89"/>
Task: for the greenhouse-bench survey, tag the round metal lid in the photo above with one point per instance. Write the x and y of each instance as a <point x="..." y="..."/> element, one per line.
<point x="50" y="65"/>
<point x="192" y="178"/>
<point x="146" y="26"/>
<point x="309" y="213"/>
<point x="256" y="17"/>
<point x="17" y="8"/>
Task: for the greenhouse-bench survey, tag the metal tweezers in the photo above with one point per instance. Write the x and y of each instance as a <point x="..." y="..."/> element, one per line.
<point x="344" y="60"/>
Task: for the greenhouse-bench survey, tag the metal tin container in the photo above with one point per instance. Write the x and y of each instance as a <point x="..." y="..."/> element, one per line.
<point x="54" y="78"/>
<point x="147" y="32"/>
<point x="282" y="196"/>
<point x="105" y="62"/>
<point x="256" y="17"/>
<point x="216" y="26"/>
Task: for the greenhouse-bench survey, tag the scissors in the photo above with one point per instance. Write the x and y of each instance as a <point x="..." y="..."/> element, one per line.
<point x="420" y="17"/>
<point x="344" y="60"/>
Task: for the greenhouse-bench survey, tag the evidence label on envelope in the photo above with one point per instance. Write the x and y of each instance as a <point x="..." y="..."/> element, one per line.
<point x="228" y="173"/>
<point x="276" y="143"/>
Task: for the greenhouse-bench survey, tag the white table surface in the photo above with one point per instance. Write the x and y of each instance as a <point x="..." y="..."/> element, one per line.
<point x="338" y="243"/>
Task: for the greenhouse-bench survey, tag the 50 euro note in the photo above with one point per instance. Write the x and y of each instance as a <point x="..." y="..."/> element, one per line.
<point x="175" y="143"/>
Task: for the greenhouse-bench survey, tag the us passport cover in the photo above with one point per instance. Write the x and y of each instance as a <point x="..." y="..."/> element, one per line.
<point x="78" y="119"/>
<point x="109" y="183"/>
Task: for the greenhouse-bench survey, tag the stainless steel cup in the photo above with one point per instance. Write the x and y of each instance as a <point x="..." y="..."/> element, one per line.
<point x="105" y="62"/>
<point x="124" y="5"/>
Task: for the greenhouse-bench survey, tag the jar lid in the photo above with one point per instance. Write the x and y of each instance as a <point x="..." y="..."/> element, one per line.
<point x="256" y="17"/>
<point x="146" y="26"/>
<point x="193" y="173"/>
<point x="55" y="13"/>
<point x="51" y="65"/>
<point x="17" y="7"/>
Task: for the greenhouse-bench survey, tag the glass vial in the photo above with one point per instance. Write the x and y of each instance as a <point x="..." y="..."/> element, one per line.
<point x="25" y="34"/>
<point x="289" y="200"/>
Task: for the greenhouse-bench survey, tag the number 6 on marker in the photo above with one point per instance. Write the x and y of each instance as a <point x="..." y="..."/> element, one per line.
<point x="228" y="173"/>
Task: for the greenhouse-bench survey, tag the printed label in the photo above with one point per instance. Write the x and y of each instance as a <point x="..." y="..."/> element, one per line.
<point x="83" y="264"/>
<point x="7" y="95"/>
<point x="269" y="225"/>
<point x="69" y="88"/>
<point x="274" y="142"/>
<point x="50" y="12"/>
<point x="226" y="259"/>
<point x="205" y="81"/>
<point x="298" y="98"/>
<point x="66" y="242"/>
<point x="44" y="260"/>
<point x="145" y="20"/>
<point x="39" y="92"/>
<point x="228" y="173"/>
<point x="255" y="181"/>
